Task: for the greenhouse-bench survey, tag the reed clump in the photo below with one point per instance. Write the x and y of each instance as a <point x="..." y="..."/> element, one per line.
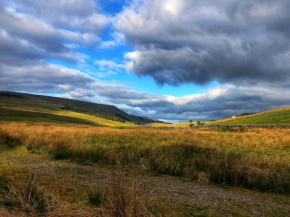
<point x="125" y="198"/>
<point x="24" y="194"/>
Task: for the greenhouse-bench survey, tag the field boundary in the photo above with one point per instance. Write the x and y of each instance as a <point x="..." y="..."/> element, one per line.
<point x="236" y="126"/>
<point x="250" y="126"/>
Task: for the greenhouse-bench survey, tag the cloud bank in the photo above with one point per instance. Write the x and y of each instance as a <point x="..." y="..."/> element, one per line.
<point x="186" y="41"/>
<point x="243" y="45"/>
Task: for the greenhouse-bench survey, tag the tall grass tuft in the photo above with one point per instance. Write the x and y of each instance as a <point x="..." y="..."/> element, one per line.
<point x="125" y="198"/>
<point x="121" y="197"/>
<point x="7" y="139"/>
<point x="24" y="194"/>
<point x="97" y="197"/>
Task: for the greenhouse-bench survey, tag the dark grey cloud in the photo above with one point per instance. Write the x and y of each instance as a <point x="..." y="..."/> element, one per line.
<point x="219" y="102"/>
<point x="18" y="51"/>
<point x="34" y="31"/>
<point x="237" y="43"/>
<point x="180" y="41"/>
<point x="42" y="77"/>
<point x="79" y="15"/>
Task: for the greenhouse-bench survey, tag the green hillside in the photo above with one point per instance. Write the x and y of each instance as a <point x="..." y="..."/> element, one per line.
<point x="36" y="108"/>
<point x="277" y="116"/>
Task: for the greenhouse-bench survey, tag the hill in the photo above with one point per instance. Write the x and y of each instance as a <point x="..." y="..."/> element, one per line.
<point x="276" y="116"/>
<point x="28" y="107"/>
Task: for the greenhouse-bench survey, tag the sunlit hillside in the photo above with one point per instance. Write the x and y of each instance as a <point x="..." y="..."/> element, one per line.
<point x="36" y="108"/>
<point x="276" y="116"/>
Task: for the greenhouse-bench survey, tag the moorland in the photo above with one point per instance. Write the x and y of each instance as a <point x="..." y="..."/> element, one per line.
<point x="62" y="159"/>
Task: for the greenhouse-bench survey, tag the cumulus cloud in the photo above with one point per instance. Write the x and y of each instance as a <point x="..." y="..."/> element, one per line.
<point x="220" y="102"/>
<point x="237" y="43"/>
<point x="108" y="64"/>
<point x="42" y="77"/>
<point x="117" y="40"/>
<point x="81" y="15"/>
<point x="49" y="30"/>
<point x="17" y="51"/>
<point x="104" y="74"/>
<point x="180" y="41"/>
<point x="35" y="32"/>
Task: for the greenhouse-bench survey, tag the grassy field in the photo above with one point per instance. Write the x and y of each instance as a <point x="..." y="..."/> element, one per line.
<point x="277" y="116"/>
<point x="257" y="159"/>
<point x="250" y="159"/>
<point x="97" y="121"/>
<point x="64" y="188"/>
<point x="56" y="162"/>
<point x="179" y="125"/>
<point x="61" y="117"/>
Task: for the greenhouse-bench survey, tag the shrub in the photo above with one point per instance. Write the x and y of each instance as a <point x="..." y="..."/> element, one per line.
<point x="200" y="123"/>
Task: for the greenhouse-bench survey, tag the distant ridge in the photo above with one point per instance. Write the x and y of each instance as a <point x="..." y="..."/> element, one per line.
<point x="30" y="101"/>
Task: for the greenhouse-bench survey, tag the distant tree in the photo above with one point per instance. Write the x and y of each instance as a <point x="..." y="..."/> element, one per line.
<point x="245" y="114"/>
<point x="200" y="123"/>
<point x="191" y="124"/>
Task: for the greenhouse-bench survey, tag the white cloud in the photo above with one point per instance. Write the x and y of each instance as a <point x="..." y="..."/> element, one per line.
<point x="117" y="40"/>
<point x="108" y="65"/>
<point x="105" y="74"/>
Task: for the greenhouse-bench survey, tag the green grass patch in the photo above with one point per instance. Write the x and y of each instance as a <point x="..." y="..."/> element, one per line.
<point x="274" y="117"/>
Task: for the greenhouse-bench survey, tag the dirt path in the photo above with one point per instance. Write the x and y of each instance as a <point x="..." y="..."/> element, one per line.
<point x="162" y="190"/>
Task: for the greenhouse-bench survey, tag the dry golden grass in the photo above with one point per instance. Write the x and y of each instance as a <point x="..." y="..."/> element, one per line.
<point x="256" y="159"/>
<point x="23" y="194"/>
<point x="125" y="199"/>
<point x="179" y="125"/>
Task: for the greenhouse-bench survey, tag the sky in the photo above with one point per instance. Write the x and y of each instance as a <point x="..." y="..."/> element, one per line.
<point x="172" y="60"/>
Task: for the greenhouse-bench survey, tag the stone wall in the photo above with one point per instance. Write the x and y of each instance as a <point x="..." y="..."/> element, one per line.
<point x="249" y="126"/>
<point x="238" y="126"/>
